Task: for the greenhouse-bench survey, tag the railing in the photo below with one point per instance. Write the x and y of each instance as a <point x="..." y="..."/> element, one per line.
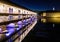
<point x="20" y="33"/>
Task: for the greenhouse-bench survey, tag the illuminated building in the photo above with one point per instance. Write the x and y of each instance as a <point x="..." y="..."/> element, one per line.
<point x="50" y="16"/>
<point x="12" y="15"/>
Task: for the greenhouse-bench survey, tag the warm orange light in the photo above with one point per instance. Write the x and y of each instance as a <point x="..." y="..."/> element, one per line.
<point x="43" y="20"/>
<point x="44" y="14"/>
<point x="56" y="14"/>
<point x="55" y="19"/>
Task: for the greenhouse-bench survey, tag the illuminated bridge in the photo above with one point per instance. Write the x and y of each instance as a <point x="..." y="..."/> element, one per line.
<point x="19" y="24"/>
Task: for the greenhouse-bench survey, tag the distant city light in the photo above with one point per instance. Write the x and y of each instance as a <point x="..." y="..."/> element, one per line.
<point x="53" y="8"/>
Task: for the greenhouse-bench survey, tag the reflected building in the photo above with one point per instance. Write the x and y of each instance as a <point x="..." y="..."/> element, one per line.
<point x="50" y="16"/>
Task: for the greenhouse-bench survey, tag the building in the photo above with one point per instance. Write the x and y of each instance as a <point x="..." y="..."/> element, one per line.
<point x="10" y="15"/>
<point x="50" y="16"/>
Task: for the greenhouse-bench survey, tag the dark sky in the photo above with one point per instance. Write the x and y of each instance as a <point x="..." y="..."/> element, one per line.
<point x="39" y="4"/>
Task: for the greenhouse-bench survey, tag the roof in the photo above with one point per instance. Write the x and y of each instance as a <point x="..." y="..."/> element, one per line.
<point x="14" y="4"/>
<point x="49" y="11"/>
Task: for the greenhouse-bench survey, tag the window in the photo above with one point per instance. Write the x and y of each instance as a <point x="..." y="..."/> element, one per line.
<point x="10" y="17"/>
<point x="10" y="10"/>
<point x="27" y="12"/>
<point x="18" y="11"/>
<point x="24" y="12"/>
<point x="19" y="17"/>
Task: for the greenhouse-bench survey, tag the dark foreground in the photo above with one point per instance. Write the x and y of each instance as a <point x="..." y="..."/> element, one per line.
<point x="43" y="32"/>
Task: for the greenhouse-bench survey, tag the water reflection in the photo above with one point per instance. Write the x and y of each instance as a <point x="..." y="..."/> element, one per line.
<point x="51" y="19"/>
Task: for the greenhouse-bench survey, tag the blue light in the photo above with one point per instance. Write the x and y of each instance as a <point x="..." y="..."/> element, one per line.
<point x="10" y="26"/>
<point x="30" y="20"/>
<point x="18" y="28"/>
<point x="9" y="32"/>
<point x="25" y="22"/>
<point x="20" y="24"/>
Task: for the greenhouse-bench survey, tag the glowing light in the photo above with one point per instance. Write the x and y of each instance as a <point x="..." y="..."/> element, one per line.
<point x="18" y="28"/>
<point x="53" y="8"/>
<point x="20" y="24"/>
<point x="9" y="33"/>
<point x="55" y="20"/>
<point x="0" y="30"/>
<point x="44" y="14"/>
<point x="43" y="20"/>
<point x="55" y="14"/>
<point x="53" y="25"/>
<point x="11" y="25"/>
<point x="24" y="22"/>
<point x="51" y="19"/>
<point x="4" y="8"/>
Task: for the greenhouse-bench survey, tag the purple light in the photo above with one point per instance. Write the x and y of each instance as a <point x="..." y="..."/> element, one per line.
<point x="18" y="28"/>
<point x="0" y="30"/>
<point x="10" y="27"/>
<point x="7" y="34"/>
<point x="10" y="32"/>
<point x="20" y="24"/>
<point x="25" y="22"/>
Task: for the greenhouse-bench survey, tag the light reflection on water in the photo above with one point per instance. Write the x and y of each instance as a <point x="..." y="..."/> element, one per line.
<point x="51" y="19"/>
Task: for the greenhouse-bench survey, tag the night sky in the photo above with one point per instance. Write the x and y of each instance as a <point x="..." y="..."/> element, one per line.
<point x="39" y="5"/>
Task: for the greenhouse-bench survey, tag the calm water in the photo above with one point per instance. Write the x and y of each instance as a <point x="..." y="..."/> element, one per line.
<point x="46" y="29"/>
